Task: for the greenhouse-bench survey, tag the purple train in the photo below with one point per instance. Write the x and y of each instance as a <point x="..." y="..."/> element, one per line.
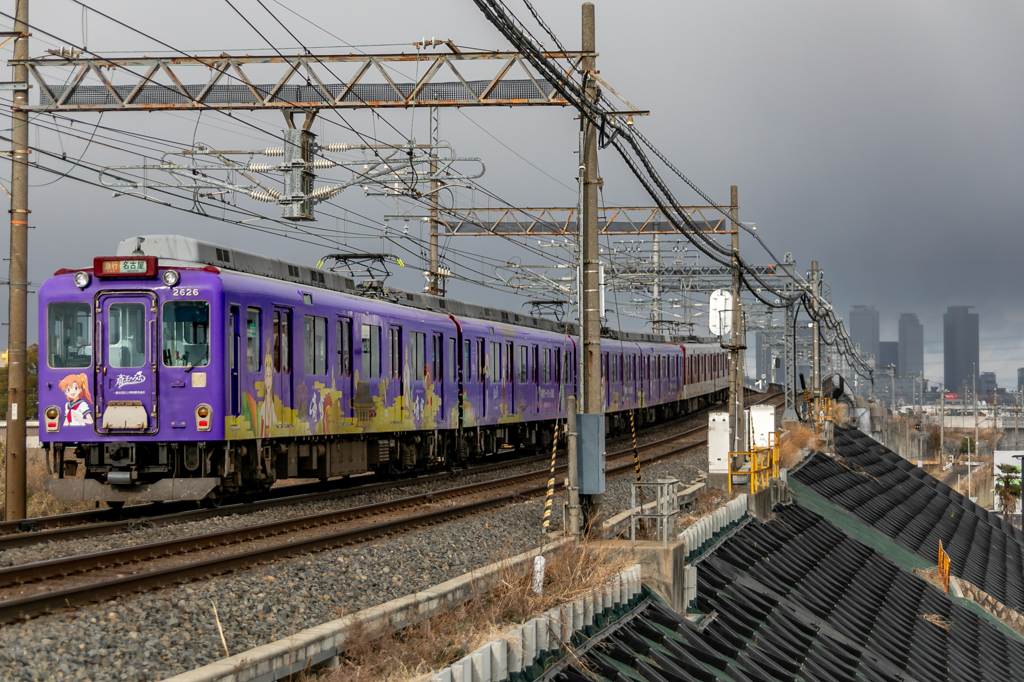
<point x="180" y="370"/>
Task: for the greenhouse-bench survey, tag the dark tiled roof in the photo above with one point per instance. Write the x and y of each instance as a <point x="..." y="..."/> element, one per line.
<point x="797" y="599"/>
<point x="914" y="509"/>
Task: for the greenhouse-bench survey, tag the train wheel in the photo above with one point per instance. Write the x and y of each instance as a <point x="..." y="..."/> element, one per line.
<point x="118" y="504"/>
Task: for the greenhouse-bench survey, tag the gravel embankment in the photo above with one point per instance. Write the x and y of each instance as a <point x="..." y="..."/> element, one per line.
<point x="159" y="634"/>
<point x="156" y="635"/>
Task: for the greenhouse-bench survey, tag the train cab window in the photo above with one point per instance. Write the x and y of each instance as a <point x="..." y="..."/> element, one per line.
<point x="186" y="334"/>
<point x="417" y="358"/>
<point x="69" y="335"/>
<point x="345" y="347"/>
<point x="395" y="351"/>
<point x="314" y="336"/>
<point x="127" y="335"/>
<point x="523" y="365"/>
<point x="252" y="338"/>
<point x="370" y="337"/>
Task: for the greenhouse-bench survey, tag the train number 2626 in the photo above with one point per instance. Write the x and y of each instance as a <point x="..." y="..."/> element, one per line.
<point x="182" y="291"/>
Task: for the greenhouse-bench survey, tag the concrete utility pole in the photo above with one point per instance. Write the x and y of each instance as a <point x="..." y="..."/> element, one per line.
<point x="736" y="340"/>
<point x="574" y="467"/>
<point x="816" y="338"/>
<point x="974" y="396"/>
<point x="942" y="429"/>
<point x="434" y="283"/>
<point x="18" y="281"/>
<point x="590" y="299"/>
<point x="656" y="294"/>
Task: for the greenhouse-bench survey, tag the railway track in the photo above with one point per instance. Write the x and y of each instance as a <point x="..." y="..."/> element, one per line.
<point x="306" y="534"/>
<point x="95" y="523"/>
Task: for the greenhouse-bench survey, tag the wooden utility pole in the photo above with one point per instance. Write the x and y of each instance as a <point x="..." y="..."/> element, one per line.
<point x="590" y="298"/>
<point x="17" y="366"/>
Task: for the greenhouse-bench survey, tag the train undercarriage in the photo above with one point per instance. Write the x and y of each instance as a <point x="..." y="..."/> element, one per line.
<point x="123" y="471"/>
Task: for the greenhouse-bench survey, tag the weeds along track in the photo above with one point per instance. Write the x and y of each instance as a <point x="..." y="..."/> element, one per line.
<point x="32" y="589"/>
<point x="99" y="522"/>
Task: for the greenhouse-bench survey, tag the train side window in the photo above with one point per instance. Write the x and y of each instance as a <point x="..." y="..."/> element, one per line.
<point x="253" y="336"/>
<point x="481" y="361"/>
<point x="556" y="366"/>
<point x="523" y="365"/>
<point x="437" y="350"/>
<point x="453" y="345"/>
<point x="282" y="341"/>
<point x="418" y="360"/>
<point x="314" y="331"/>
<point x="536" y="365"/>
<point x="545" y="365"/>
<point x="494" y="362"/>
<point x="395" y="351"/>
<point x="345" y="347"/>
<point x="467" y="361"/>
<point x="370" y="338"/>
<point x="69" y="335"/>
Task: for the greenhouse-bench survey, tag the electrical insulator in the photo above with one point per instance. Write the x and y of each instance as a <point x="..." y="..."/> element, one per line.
<point x="259" y="167"/>
<point x="273" y="151"/>
<point x="323" y="163"/>
<point x="270" y="197"/>
<point x="335" y="147"/>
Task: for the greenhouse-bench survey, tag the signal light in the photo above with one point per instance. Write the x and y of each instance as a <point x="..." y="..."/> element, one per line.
<point x="82" y="279"/>
<point x="203" y="420"/>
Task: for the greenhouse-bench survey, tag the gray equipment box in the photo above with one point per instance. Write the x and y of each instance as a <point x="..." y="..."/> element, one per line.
<point x="591" y="453"/>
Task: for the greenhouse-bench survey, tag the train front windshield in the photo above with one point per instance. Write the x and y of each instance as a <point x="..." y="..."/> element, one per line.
<point x="69" y="342"/>
<point x="186" y="334"/>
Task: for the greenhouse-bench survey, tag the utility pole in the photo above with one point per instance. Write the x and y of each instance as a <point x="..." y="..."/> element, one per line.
<point x="17" y="404"/>
<point x="974" y="396"/>
<point x="942" y="429"/>
<point x="815" y="345"/>
<point x="736" y="339"/>
<point x="656" y="294"/>
<point x="589" y="300"/>
<point x="434" y="283"/>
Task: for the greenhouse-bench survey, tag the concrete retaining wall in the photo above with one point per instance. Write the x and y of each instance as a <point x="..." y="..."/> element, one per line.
<point x="322" y="643"/>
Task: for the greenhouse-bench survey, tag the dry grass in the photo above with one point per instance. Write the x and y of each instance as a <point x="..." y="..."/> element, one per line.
<point x="937" y="620"/>
<point x="38" y="502"/>
<point x="708" y="500"/>
<point x="418" y="651"/>
<point x="979" y="484"/>
<point x="795" y="439"/>
<point x="841" y="415"/>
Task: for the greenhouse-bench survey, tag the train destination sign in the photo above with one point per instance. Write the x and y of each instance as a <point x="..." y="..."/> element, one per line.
<point x="129" y="266"/>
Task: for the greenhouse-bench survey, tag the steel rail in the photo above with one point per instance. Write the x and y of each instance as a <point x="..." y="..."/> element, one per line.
<point x="77" y="525"/>
<point x="32" y="605"/>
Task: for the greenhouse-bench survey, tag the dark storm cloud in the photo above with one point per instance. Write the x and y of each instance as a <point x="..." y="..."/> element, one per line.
<point x="883" y="139"/>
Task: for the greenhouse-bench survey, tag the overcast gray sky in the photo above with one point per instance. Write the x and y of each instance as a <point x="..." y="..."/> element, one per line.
<point x="883" y="139"/>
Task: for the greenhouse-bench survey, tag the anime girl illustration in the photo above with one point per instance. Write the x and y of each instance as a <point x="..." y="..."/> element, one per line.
<point x="268" y="416"/>
<point x="78" y="411"/>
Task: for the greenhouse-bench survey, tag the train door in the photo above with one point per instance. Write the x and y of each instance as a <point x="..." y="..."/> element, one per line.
<point x="396" y="384"/>
<point x="283" y="387"/>
<point x="234" y="341"/>
<point x="344" y="370"/>
<point x="125" y="365"/>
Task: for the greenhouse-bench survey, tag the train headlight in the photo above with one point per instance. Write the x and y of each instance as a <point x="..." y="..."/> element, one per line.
<point x="82" y="279"/>
<point x="204" y="419"/>
<point x="170" y="277"/>
<point x="52" y="415"/>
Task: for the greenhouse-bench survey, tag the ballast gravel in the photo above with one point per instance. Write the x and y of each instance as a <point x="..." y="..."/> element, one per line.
<point x="157" y="635"/>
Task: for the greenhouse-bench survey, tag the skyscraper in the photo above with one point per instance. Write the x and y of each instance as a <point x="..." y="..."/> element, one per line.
<point x="911" y="363"/>
<point x="959" y="345"/>
<point x="864" y="330"/>
<point x="889" y="354"/>
<point x="1020" y="378"/>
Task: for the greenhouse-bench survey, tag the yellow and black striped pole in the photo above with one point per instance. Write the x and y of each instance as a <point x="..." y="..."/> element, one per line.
<point x="636" y="458"/>
<point x="550" y="499"/>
